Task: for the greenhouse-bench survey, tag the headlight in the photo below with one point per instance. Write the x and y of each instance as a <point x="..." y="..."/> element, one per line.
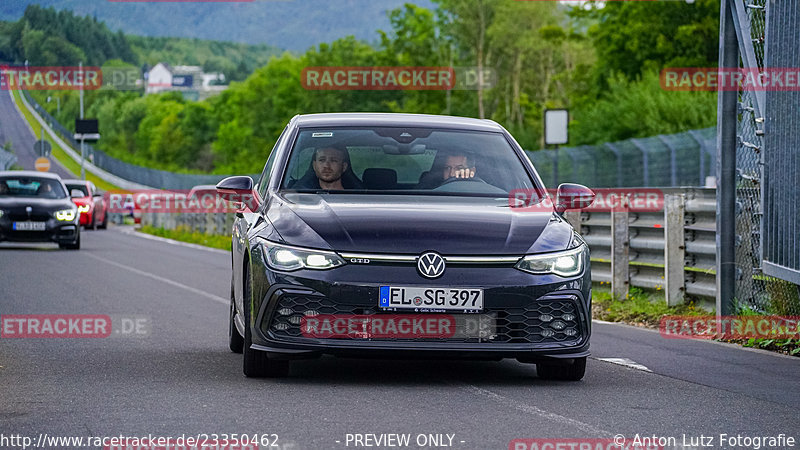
<point x="83" y="208"/>
<point x="565" y="264"/>
<point x="282" y="257"/>
<point x="65" y="215"/>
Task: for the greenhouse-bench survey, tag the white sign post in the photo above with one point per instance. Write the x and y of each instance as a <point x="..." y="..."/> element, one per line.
<point x="556" y="132"/>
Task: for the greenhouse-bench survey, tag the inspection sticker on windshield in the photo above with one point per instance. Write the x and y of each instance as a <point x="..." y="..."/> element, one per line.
<point x="29" y="226"/>
<point x="431" y="299"/>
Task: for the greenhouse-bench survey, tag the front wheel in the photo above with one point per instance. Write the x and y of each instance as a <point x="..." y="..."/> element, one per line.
<point x="570" y="372"/>
<point x="256" y="364"/>
<point x="235" y="340"/>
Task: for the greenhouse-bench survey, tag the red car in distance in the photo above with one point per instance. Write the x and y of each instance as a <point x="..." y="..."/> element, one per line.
<point x="91" y="204"/>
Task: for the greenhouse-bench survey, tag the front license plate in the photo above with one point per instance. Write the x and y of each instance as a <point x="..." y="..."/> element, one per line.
<point x="431" y="298"/>
<point x="29" y="226"/>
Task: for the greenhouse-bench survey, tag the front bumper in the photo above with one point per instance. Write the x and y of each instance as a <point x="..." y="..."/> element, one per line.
<point x="515" y="301"/>
<point x="55" y="231"/>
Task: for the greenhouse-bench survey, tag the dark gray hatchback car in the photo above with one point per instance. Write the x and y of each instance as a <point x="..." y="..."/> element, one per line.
<point x="400" y="235"/>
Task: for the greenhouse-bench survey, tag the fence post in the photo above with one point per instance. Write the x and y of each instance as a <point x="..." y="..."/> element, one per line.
<point x="727" y="110"/>
<point x="674" y="248"/>
<point x="620" y="246"/>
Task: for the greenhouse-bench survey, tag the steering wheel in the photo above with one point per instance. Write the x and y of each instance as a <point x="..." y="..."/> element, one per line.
<point x="454" y="179"/>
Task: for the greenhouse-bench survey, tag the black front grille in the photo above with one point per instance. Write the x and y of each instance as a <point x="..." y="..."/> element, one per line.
<point x="546" y="320"/>
<point x="24" y="217"/>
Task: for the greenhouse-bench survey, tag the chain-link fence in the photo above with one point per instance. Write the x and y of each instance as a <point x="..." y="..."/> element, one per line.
<point x="746" y="287"/>
<point x="682" y="159"/>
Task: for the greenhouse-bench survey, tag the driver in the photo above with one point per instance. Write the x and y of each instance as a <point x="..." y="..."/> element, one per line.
<point x="459" y="165"/>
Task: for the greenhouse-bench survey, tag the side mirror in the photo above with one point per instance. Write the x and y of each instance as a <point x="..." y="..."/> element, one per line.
<point x="573" y="196"/>
<point x="238" y="189"/>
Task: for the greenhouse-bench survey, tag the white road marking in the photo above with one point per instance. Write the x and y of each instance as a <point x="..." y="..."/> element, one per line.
<point x="216" y="298"/>
<point x="626" y="362"/>
<point x="535" y="411"/>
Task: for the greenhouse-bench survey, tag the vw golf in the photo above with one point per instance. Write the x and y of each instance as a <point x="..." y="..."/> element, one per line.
<point x="400" y="235"/>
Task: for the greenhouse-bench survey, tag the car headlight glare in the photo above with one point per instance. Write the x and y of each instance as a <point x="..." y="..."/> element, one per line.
<point x="285" y="258"/>
<point x="83" y="208"/>
<point x="568" y="263"/>
<point x="65" y="215"/>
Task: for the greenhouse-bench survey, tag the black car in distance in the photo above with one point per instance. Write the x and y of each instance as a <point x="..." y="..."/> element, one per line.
<point x="400" y="235"/>
<point x="36" y="207"/>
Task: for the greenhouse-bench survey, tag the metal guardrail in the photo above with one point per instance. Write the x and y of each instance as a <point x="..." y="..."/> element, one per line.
<point x="672" y="250"/>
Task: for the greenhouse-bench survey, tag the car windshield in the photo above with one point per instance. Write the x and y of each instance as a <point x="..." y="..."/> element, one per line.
<point x="78" y="187"/>
<point x="405" y="161"/>
<point x="31" y="187"/>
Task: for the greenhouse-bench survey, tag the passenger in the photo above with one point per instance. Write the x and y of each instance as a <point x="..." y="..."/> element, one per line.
<point x="331" y="171"/>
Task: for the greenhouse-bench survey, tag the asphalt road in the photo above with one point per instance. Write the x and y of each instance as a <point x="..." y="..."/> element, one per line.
<point x="179" y="378"/>
<point x="13" y="128"/>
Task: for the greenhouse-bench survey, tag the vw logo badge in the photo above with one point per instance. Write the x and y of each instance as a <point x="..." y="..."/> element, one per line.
<point x="430" y="265"/>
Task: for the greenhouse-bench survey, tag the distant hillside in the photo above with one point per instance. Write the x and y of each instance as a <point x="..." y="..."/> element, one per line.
<point x="289" y="24"/>
<point x="45" y="36"/>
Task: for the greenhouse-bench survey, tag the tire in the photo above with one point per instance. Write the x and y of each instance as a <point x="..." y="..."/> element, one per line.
<point x="571" y="372"/>
<point x="94" y="221"/>
<point x="256" y="364"/>
<point x="104" y="223"/>
<point x="235" y="340"/>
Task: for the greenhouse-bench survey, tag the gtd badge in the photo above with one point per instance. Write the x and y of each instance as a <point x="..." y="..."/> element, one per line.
<point x="431" y="265"/>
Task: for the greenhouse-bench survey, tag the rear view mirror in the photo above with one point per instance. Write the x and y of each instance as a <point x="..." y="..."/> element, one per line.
<point x="405" y="149"/>
<point x="573" y="196"/>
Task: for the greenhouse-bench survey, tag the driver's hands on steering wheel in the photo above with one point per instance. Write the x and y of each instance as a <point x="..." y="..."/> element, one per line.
<point x="462" y="173"/>
<point x="458" y="171"/>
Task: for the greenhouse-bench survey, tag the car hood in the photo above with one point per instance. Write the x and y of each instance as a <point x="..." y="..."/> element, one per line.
<point x="82" y="200"/>
<point x="411" y="224"/>
<point x="7" y="203"/>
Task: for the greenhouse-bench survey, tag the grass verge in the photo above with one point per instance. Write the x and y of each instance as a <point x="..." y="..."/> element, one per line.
<point x="645" y="310"/>
<point x="59" y="154"/>
<point x="640" y="308"/>
<point x="186" y="235"/>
